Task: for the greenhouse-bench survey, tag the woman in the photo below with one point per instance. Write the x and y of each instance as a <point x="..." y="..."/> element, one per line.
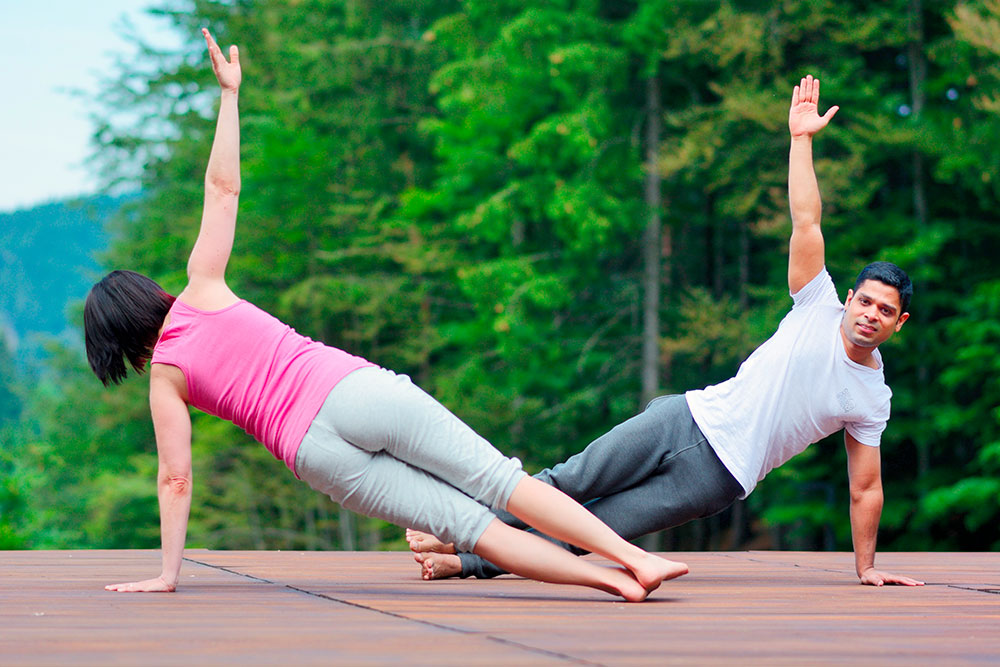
<point x="368" y="438"/>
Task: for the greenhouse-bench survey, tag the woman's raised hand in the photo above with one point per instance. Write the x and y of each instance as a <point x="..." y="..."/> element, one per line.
<point x="227" y="72"/>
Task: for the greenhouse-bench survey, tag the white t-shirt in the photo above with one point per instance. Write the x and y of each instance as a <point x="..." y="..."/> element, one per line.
<point x="796" y="388"/>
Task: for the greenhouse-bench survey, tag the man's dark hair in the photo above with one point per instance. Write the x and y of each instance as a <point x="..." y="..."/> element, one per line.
<point x="891" y="275"/>
<point x="121" y="320"/>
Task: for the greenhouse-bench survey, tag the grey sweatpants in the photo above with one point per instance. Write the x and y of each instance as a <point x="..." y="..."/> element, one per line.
<point x="652" y="472"/>
<point x="382" y="447"/>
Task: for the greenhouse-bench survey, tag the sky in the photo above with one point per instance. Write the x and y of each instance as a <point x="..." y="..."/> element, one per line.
<point x="48" y="47"/>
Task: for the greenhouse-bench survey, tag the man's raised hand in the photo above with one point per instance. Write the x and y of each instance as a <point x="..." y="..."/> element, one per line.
<point x="803" y="116"/>
<point x="227" y="72"/>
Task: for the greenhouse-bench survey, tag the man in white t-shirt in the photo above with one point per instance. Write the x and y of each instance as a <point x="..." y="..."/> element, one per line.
<point x="691" y="456"/>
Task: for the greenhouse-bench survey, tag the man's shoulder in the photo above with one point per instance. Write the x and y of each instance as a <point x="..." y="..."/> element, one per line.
<point x="820" y="315"/>
<point x="817" y="291"/>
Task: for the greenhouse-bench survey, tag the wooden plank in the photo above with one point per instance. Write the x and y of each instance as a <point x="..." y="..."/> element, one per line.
<point x="371" y="607"/>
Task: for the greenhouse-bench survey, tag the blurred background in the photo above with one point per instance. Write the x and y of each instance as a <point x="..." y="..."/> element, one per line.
<point x="545" y="213"/>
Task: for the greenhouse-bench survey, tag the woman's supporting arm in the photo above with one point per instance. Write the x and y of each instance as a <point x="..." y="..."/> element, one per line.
<point x="172" y="424"/>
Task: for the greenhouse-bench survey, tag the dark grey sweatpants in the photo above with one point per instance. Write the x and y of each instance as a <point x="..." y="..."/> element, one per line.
<point x="652" y="472"/>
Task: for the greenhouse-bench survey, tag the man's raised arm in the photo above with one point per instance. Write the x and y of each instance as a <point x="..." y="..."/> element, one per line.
<point x="805" y="252"/>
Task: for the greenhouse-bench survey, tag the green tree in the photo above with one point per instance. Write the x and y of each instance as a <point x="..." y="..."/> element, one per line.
<point x="320" y="182"/>
<point x="471" y="193"/>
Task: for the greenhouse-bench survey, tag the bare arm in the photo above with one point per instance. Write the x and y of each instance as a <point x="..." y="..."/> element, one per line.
<point x="806" y="249"/>
<point x="864" y="468"/>
<point x="172" y="424"/>
<point x="210" y="255"/>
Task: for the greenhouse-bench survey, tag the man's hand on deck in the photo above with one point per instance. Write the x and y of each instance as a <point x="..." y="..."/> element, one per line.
<point x="873" y="577"/>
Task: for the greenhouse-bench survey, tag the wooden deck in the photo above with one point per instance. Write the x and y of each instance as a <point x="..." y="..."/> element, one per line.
<point x="293" y="608"/>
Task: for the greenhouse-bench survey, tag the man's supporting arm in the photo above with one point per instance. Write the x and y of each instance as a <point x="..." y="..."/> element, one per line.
<point x="864" y="468"/>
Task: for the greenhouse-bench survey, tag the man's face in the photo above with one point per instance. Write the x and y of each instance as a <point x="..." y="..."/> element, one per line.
<point x="872" y="314"/>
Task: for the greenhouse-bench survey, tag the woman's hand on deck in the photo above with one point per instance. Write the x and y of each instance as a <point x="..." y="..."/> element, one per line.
<point x="157" y="585"/>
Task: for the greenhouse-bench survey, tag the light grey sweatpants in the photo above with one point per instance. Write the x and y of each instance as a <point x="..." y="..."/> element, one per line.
<point x="382" y="447"/>
<point x="652" y="472"/>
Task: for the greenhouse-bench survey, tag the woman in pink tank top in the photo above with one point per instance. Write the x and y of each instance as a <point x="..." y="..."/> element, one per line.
<point x="365" y="436"/>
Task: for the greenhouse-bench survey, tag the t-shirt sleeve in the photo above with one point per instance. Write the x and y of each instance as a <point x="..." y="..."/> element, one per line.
<point x="818" y="291"/>
<point x="869" y="431"/>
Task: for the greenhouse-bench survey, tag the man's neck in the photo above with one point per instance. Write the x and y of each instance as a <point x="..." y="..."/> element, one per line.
<point x="857" y="353"/>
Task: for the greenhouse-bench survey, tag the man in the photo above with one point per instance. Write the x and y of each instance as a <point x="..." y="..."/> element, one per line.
<point x="690" y="456"/>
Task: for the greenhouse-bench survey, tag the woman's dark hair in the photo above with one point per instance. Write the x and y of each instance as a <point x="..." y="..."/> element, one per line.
<point x="121" y="320"/>
<point x="891" y="275"/>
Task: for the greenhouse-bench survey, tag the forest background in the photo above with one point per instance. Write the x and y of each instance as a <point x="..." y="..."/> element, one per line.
<point x="546" y="213"/>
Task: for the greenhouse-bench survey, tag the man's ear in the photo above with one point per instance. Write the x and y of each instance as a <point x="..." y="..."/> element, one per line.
<point x="902" y="318"/>
<point x="850" y="295"/>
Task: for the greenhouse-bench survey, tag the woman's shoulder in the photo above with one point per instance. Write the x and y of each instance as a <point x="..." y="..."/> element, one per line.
<point x="167" y="378"/>
<point x="208" y="296"/>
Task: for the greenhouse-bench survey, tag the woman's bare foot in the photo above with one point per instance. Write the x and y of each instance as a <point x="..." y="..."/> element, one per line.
<point x="652" y="571"/>
<point x="438" y="566"/>
<point x="620" y="581"/>
<point x="426" y="543"/>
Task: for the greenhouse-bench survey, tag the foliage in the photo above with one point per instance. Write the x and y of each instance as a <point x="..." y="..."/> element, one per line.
<point x="38" y="278"/>
<point x="456" y="191"/>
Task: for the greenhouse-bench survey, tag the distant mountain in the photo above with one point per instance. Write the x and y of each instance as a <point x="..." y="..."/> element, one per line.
<point x="48" y="261"/>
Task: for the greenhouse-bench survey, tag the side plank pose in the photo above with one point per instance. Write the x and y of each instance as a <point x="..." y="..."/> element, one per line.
<point x="365" y="436"/>
<point x="690" y="456"/>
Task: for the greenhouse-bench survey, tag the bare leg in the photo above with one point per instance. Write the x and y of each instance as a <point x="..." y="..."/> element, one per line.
<point x="530" y="556"/>
<point x="438" y="565"/>
<point x="556" y="514"/>
<point x="559" y="511"/>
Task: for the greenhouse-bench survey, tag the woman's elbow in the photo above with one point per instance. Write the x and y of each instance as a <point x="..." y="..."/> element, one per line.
<point x="177" y="485"/>
<point x="222" y="188"/>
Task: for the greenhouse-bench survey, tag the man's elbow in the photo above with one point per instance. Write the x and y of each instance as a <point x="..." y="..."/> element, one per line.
<point x="866" y="494"/>
<point x="805" y="217"/>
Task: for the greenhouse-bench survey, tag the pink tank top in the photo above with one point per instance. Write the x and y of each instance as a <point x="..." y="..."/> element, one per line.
<point x="245" y="365"/>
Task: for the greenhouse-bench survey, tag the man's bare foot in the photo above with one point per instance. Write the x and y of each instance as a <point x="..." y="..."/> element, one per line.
<point x="652" y="571"/>
<point x="438" y="566"/>
<point x="426" y="543"/>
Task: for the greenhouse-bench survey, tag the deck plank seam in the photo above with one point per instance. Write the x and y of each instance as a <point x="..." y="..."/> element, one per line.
<point x="440" y="626"/>
<point x="813" y="568"/>
<point x="991" y="591"/>
<point x="748" y="557"/>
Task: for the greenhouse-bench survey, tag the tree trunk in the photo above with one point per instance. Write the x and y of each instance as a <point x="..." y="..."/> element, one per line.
<point x="657" y="251"/>
<point x="718" y="225"/>
<point x="917" y="61"/>
<point x="345" y="525"/>
<point x="651" y="248"/>
<point x="744" y="265"/>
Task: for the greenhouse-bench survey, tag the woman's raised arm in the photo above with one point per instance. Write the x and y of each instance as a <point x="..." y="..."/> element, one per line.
<point x="210" y="255"/>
